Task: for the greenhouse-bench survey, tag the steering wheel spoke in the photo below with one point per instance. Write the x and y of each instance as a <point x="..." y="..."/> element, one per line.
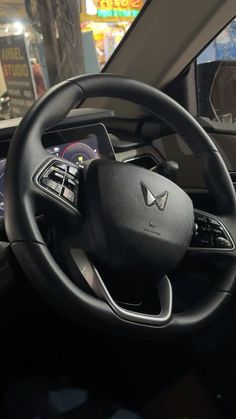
<point x="87" y="271"/>
<point x="211" y="235"/>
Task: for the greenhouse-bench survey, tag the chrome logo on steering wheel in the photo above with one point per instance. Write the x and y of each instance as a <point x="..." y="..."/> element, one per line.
<point x="150" y="200"/>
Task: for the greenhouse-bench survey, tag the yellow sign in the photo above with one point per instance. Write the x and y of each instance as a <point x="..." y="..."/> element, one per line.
<point x="13" y="54"/>
<point x="118" y="8"/>
<point x="120" y="4"/>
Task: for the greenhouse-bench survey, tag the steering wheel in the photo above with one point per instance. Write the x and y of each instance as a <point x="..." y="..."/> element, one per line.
<point x="128" y="218"/>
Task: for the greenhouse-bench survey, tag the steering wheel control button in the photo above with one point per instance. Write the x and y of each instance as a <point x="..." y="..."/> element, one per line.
<point x="218" y="232"/>
<point x="62" y="180"/>
<point x="222" y="243"/>
<point x="205" y="241"/>
<point x="61" y="166"/>
<point x="73" y="171"/>
<point x="54" y="186"/>
<point x="70" y="183"/>
<point x="213" y="222"/>
<point x="210" y="233"/>
<point x="56" y="175"/>
<point x="201" y="220"/>
<point x="69" y="195"/>
<point x="202" y="240"/>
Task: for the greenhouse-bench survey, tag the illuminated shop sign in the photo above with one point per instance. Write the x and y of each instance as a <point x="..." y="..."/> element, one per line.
<point x="118" y="8"/>
<point x="17" y="73"/>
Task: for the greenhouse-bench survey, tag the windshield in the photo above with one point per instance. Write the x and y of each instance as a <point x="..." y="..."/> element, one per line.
<point x="45" y="42"/>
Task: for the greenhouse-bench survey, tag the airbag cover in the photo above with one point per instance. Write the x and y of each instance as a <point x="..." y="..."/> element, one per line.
<point x="137" y="219"/>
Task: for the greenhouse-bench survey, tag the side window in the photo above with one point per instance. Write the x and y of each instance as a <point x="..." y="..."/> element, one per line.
<point x="216" y="77"/>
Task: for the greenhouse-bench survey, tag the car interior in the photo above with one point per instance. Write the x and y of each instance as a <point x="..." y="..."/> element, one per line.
<point x="118" y="230"/>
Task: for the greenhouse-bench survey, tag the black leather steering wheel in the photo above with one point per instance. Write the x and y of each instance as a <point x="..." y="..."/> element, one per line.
<point x="127" y="217"/>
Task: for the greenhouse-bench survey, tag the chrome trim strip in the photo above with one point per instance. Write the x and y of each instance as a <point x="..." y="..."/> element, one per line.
<point x="94" y="280"/>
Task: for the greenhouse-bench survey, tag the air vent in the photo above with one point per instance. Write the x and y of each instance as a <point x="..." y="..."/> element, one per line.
<point x="147" y="162"/>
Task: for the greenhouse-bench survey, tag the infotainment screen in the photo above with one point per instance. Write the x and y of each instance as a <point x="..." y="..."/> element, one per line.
<point x="73" y="144"/>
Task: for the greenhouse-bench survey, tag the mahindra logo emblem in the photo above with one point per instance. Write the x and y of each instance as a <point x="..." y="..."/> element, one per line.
<point x="150" y="200"/>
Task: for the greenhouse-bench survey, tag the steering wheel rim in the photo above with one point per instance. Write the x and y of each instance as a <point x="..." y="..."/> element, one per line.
<point x="26" y="156"/>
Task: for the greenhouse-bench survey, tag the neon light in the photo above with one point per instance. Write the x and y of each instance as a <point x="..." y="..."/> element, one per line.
<point x="104" y="13"/>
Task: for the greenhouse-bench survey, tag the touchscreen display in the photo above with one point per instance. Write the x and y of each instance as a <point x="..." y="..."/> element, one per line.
<point x="75" y="145"/>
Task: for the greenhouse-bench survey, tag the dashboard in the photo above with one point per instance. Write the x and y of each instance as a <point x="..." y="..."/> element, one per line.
<point x="80" y="136"/>
<point x="75" y="145"/>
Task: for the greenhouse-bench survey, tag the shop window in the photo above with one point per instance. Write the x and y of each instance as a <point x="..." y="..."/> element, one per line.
<point x="216" y="78"/>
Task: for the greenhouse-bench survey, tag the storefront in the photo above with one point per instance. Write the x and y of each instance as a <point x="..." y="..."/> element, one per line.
<point x="108" y="21"/>
<point x="14" y="22"/>
<point x="70" y="38"/>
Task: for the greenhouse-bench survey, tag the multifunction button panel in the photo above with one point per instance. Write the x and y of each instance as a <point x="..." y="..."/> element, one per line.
<point x="62" y="180"/>
<point x="210" y="233"/>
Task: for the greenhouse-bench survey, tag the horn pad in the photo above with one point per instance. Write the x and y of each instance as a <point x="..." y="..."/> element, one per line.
<point x="137" y="219"/>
